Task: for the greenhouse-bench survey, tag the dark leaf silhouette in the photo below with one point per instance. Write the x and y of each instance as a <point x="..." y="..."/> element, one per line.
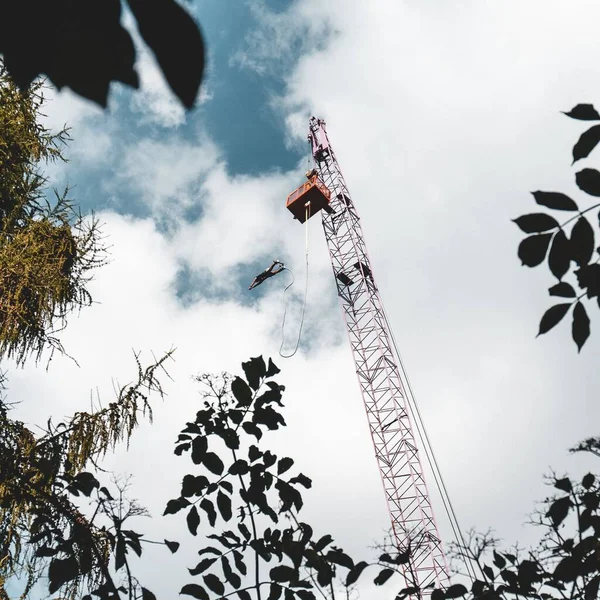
<point x="202" y="566"/>
<point x="536" y="222"/>
<point x="355" y="573"/>
<point x="80" y="45"/>
<point x="532" y="250"/>
<point x="224" y="505"/>
<point x="209" y="508"/>
<point x="555" y="200"/>
<point x="456" y="591"/>
<point x="552" y="317"/>
<point x="199" y="448"/>
<point x="588" y="181"/>
<point x="195" y="590"/>
<point x="499" y="560"/>
<point x="587" y="142"/>
<point x="254" y="369"/>
<point x="172" y="546"/>
<point x="564" y="485"/>
<point x="562" y="289"/>
<point x="383" y="576"/>
<point x="233" y="578"/>
<point x="323" y="543"/>
<point x="174" y="506"/>
<point x="567" y="570"/>
<point x="272" y="369"/>
<point x="588" y="278"/>
<point x="283" y="573"/>
<point x="213" y="463"/>
<point x="147" y="594"/>
<point x="581" y="325"/>
<point x="275" y="591"/>
<point x="241" y="391"/>
<point x="62" y="571"/>
<point x="559" y="258"/>
<point x="581" y="244"/>
<point x="284" y="465"/>
<point x="559" y="510"/>
<point x="583" y="112"/>
<point x="214" y="584"/>
<point x="244" y="595"/>
<point x="588" y="481"/>
<point x="176" y="41"/>
<point x="193" y="520"/>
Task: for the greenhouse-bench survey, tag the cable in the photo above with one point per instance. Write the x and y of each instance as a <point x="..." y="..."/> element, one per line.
<point x="305" y="295"/>
<point x="431" y="458"/>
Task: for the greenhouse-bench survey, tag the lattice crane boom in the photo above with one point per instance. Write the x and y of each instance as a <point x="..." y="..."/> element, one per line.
<point x="377" y="367"/>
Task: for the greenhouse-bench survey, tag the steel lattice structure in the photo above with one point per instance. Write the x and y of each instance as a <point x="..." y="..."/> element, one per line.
<point x="377" y="366"/>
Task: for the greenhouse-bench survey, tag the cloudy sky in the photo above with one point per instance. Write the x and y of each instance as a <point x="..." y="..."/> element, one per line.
<point x="444" y="116"/>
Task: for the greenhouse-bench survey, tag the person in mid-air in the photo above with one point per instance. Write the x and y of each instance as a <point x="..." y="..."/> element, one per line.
<point x="275" y="268"/>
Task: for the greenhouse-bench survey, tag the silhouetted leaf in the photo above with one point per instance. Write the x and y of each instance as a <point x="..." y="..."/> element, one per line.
<point x="559" y="510"/>
<point x="581" y="244"/>
<point x="437" y="595"/>
<point x="499" y="560"/>
<point x="489" y="572"/>
<point x="244" y="595"/>
<point x="199" y="448"/>
<point x="581" y="325"/>
<point x="456" y="591"/>
<point x="174" y="506"/>
<point x="231" y="577"/>
<point x="202" y="566"/>
<point x="283" y="573"/>
<point x="532" y="250"/>
<point x="583" y="112"/>
<point x="46" y="551"/>
<point x="274" y="591"/>
<point x="176" y="42"/>
<point x="241" y="391"/>
<point x="355" y="573"/>
<point x="587" y="142"/>
<point x="193" y="520"/>
<point x="383" y="576"/>
<point x="147" y="594"/>
<point x="562" y="289"/>
<point x="588" y="481"/>
<point x="591" y="588"/>
<point x="238" y="557"/>
<point x="172" y="546"/>
<point x="588" y="278"/>
<point x="554" y="200"/>
<point x="536" y="222"/>
<point x="214" y="584"/>
<point x="305" y="595"/>
<point x="588" y="180"/>
<point x="61" y="571"/>
<point x="252" y="429"/>
<point x="559" y="258"/>
<point x="284" y="465"/>
<point x="230" y="437"/>
<point x="340" y="558"/>
<point x="85" y="483"/>
<point x="272" y="369"/>
<point x="213" y="463"/>
<point x="195" y="590"/>
<point x="552" y="317"/>
<point x="323" y="542"/>
<point x="193" y="485"/>
<point x="564" y="485"/>
<point x="179" y="450"/>
<point x="81" y="45"/>
<point x="209" y="508"/>
<point x="224" y="505"/>
<point x="239" y="467"/>
<point x="303" y="480"/>
<point x="407" y="592"/>
<point x="255" y="369"/>
<point x="567" y="570"/>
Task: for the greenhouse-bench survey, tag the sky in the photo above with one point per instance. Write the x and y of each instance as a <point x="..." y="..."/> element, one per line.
<point x="444" y="117"/>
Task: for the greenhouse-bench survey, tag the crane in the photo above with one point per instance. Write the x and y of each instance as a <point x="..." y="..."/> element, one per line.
<point x="392" y="416"/>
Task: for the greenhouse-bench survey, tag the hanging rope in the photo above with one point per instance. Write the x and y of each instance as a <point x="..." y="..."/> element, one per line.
<point x="305" y="295"/>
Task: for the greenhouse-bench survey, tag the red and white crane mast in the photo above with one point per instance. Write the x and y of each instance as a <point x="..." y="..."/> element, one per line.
<point x="377" y="366"/>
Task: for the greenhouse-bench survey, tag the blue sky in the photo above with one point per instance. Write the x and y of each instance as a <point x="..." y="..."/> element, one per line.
<point x="444" y="118"/>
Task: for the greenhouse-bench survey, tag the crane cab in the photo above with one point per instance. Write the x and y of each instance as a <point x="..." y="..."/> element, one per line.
<point x="313" y="191"/>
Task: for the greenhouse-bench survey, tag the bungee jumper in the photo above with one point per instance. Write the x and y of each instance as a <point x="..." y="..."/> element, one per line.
<point x="274" y="269"/>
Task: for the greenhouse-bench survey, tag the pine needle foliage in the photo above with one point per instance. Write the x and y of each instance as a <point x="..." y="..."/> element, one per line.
<point x="47" y="251"/>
